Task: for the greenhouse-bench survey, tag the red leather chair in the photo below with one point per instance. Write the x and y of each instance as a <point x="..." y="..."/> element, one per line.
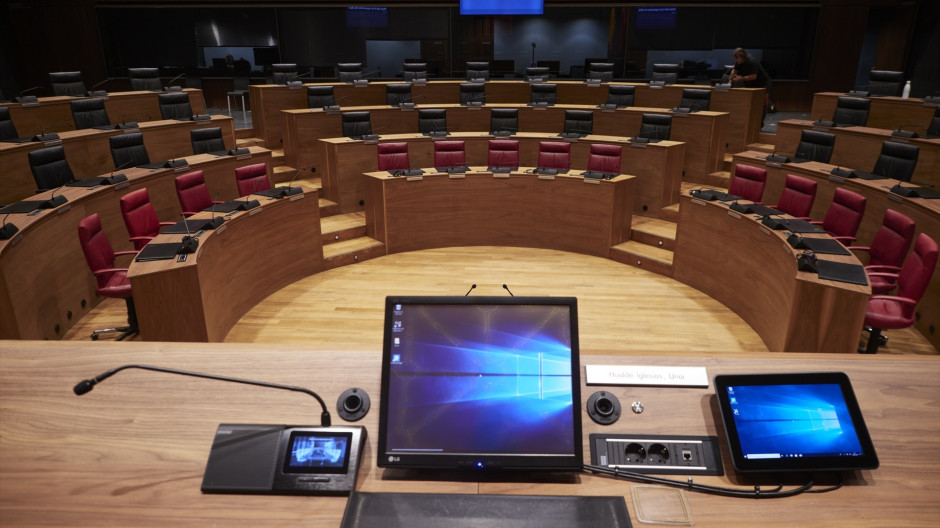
<point x="503" y="153"/>
<point x="554" y="154"/>
<point x="897" y="311"/>
<point x="449" y="154"/>
<point x="140" y="218"/>
<point x="252" y="178"/>
<point x="111" y="282"/>
<point x="604" y="158"/>
<point x="193" y="193"/>
<point x="844" y="215"/>
<point x="797" y="197"/>
<point x="393" y="156"/>
<point x="888" y="249"/>
<point x="748" y="182"/>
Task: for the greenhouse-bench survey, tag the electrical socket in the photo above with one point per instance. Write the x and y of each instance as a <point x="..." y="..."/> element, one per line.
<point x="660" y="454"/>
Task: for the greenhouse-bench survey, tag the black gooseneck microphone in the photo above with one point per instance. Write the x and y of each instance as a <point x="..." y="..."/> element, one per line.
<point x="249" y="202"/>
<point x="8" y="230"/>
<point x="28" y="98"/>
<point x="189" y="243"/>
<point x="820" y="122"/>
<point x="97" y="93"/>
<point x="55" y="201"/>
<point x="117" y="178"/>
<point x="85" y="386"/>
<point x="472" y="286"/>
<point x="51" y="136"/>
<point x="169" y="86"/>
<point x="900" y="132"/>
<point x="216" y="220"/>
<point x="507" y="289"/>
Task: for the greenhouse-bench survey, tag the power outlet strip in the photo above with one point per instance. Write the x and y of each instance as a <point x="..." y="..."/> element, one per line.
<point x="658" y="454"/>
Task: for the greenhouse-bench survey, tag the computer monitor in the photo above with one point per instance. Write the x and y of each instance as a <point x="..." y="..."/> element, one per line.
<point x="480" y="383"/>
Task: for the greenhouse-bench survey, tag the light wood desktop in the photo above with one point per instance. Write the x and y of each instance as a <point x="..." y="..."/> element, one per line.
<point x="45" y="284"/>
<point x="133" y="451"/>
<point x="912" y="114"/>
<point x="564" y="212"/>
<point x="752" y="270"/>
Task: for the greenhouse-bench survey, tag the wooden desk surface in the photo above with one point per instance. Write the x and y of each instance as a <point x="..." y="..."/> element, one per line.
<point x="132" y="452"/>
<point x="914" y="114"/>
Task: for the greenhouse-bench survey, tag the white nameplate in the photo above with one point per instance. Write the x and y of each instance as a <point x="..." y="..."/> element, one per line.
<point x="646" y="375"/>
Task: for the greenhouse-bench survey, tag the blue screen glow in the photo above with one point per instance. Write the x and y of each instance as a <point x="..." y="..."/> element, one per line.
<point x="318" y="451"/>
<point x="501" y="7"/>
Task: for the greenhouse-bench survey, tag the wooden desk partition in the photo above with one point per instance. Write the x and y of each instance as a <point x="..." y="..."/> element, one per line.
<point x="45" y="283"/>
<point x="753" y="271"/>
<point x="561" y="212"/>
<point x="252" y="255"/>
<point x="912" y="114"/>
<point x="133" y="451"/>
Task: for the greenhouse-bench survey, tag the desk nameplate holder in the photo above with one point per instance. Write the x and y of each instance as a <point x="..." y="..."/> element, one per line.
<point x="646" y="375"/>
<point x="698" y="201"/>
<point x="547" y="177"/>
<point x="299" y="196"/>
<point x="501" y="175"/>
<point x="255" y="211"/>
<point x="456" y="175"/>
<point x="594" y="181"/>
<point x="414" y="178"/>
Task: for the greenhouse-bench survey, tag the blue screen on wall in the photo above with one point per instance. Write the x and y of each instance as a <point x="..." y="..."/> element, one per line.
<point x="501" y="7"/>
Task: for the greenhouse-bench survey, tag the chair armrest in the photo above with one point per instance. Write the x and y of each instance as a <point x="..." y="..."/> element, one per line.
<point x="816" y="222"/>
<point x="187" y="214"/>
<point x="140" y="238"/>
<point x="108" y="270"/>
<point x="866" y="249"/>
<point x="892" y="276"/>
<point x="218" y="201"/>
<point x="846" y="240"/>
<point x="883" y="267"/>
<point x="166" y="224"/>
<point x="895" y="298"/>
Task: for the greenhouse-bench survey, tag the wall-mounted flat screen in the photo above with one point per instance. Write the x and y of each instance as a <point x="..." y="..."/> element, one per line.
<point x="501" y="7"/>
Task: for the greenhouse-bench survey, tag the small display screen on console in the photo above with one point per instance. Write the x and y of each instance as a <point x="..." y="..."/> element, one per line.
<point x="317" y="452"/>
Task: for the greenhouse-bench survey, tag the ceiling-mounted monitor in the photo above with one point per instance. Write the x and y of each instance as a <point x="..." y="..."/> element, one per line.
<point x="501" y="7"/>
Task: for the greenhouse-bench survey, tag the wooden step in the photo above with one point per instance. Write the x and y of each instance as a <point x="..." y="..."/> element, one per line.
<point x="351" y="251"/>
<point x="768" y="138"/>
<point x="762" y="147"/>
<point x="328" y="208"/>
<point x="642" y="256"/>
<point x="338" y="228"/>
<point x="249" y="141"/>
<point x="277" y="157"/>
<point x="726" y="164"/>
<point x="670" y="212"/>
<point x="718" y="179"/>
<point x="654" y="232"/>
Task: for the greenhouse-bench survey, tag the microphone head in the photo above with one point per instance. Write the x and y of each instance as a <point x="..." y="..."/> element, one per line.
<point x="84" y="387"/>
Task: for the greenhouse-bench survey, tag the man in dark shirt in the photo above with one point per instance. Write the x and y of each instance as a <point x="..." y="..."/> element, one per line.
<point x="747" y="73"/>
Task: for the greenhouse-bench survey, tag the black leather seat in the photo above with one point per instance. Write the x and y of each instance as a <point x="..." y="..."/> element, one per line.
<point x="7" y="129"/>
<point x="852" y="111"/>
<point x="127" y="150"/>
<point x="621" y="95"/>
<point x="504" y="120"/>
<point x="695" y="99"/>
<point x="415" y="71"/>
<point x="655" y="126"/>
<point x="207" y="140"/>
<point x="320" y="96"/>
<point x="50" y="168"/>
<point x="885" y="82"/>
<point x="897" y="161"/>
<point x="472" y="93"/>
<point x="543" y="93"/>
<point x="603" y="71"/>
<point x="666" y="73"/>
<point x="815" y="146"/>
<point x="579" y="122"/>
<point x="175" y="105"/>
<point x="145" y="79"/>
<point x="432" y="120"/>
<point x="356" y="124"/>
<point x="67" y="83"/>
<point x="397" y="93"/>
<point x="478" y="71"/>
<point x="536" y="74"/>
<point x="349" y="71"/>
<point x="283" y="73"/>
<point x="89" y="113"/>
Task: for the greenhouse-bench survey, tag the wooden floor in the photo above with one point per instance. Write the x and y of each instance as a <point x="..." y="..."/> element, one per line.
<point x="620" y="307"/>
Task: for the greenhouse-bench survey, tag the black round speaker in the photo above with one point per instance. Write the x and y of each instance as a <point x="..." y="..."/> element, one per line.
<point x="352" y="404"/>
<point x="603" y="407"/>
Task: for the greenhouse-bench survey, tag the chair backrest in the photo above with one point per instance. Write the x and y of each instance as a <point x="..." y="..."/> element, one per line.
<point x="449" y="154"/>
<point x="393" y="156"/>
<point x="89" y="113"/>
<point x="127" y="150"/>
<point x="543" y="93"/>
<point x="845" y="213"/>
<point x="536" y="73"/>
<point x="252" y="178"/>
<point x="99" y="254"/>
<point x="604" y="71"/>
<point x="885" y="82"/>
<point x="478" y="70"/>
<point x="50" y="168"/>
<point x="667" y="73"/>
<point x="349" y="71"/>
<point x="621" y="95"/>
<point x="554" y="154"/>
<point x="432" y="120"/>
<point x="604" y="158"/>
<point x="175" y="105"/>
<point x="655" y="126"/>
<point x="897" y="161"/>
<point x="283" y="73"/>
<point x="356" y="124"/>
<point x="67" y="83"/>
<point x="695" y="99"/>
<point x="397" y="93"/>
<point x="472" y="93"/>
<point x="415" y="71"/>
<point x="748" y="182"/>
<point x="7" y="129"/>
<point x="917" y="270"/>
<point x="851" y="111"/>
<point x="145" y="79"/>
<point x="503" y="153"/>
<point x="320" y="96"/>
<point x="816" y="146"/>
<point x="797" y="196"/>
<point x="504" y="119"/>
<point x="207" y="140"/>
<point x="140" y="217"/>
<point x="579" y="121"/>
<point x="934" y="128"/>
<point x="892" y="240"/>
<point x="192" y="192"/>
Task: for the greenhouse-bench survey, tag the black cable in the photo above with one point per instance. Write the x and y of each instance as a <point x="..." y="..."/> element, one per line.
<point x="831" y="488"/>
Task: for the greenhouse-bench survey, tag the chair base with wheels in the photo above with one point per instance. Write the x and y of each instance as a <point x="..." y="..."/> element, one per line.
<point x="126" y="331"/>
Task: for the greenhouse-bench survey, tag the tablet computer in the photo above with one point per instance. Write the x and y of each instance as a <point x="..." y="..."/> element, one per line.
<point x="794" y="422"/>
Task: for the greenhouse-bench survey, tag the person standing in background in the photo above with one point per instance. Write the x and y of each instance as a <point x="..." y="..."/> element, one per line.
<point x="748" y="73"/>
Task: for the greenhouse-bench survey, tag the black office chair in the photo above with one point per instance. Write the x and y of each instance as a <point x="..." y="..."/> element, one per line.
<point x="175" y="105"/>
<point x="7" y="129"/>
<point x="432" y="121"/>
<point x="815" y="146"/>
<point x="602" y="71"/>
<point x="621" y="95"/>
<point x="666" y="73"/>
<point x="414" y="71"/>
<point x="145" y="79"/>
<point x="472" y="93"/>
<point x="885" y="82"/>
<point x="536" y="74"/>
<point x="349" y="71"/>
<point x="320" y="96"/>
<point x="397" y="94"/>
<point x="655" y="126"/>
<point x="89" y="113"/>
<point x="897" y="161"/>
<point x="579" y="122"/>
<point x="934" y="129"/>
<point x="67" y="83"/>
<point x="283" y="73"/>
<point x="50" y="168"/>
<point x="851" y="111"/>
<point x="207" y="140"/>
<point x="127" y="150"/>
<point x="695" y="99"/>
<point x="356" y="124"/>
<point x="504" y="120"/>
<point x="543" y="93"/>
<point x="478" y="71"/>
